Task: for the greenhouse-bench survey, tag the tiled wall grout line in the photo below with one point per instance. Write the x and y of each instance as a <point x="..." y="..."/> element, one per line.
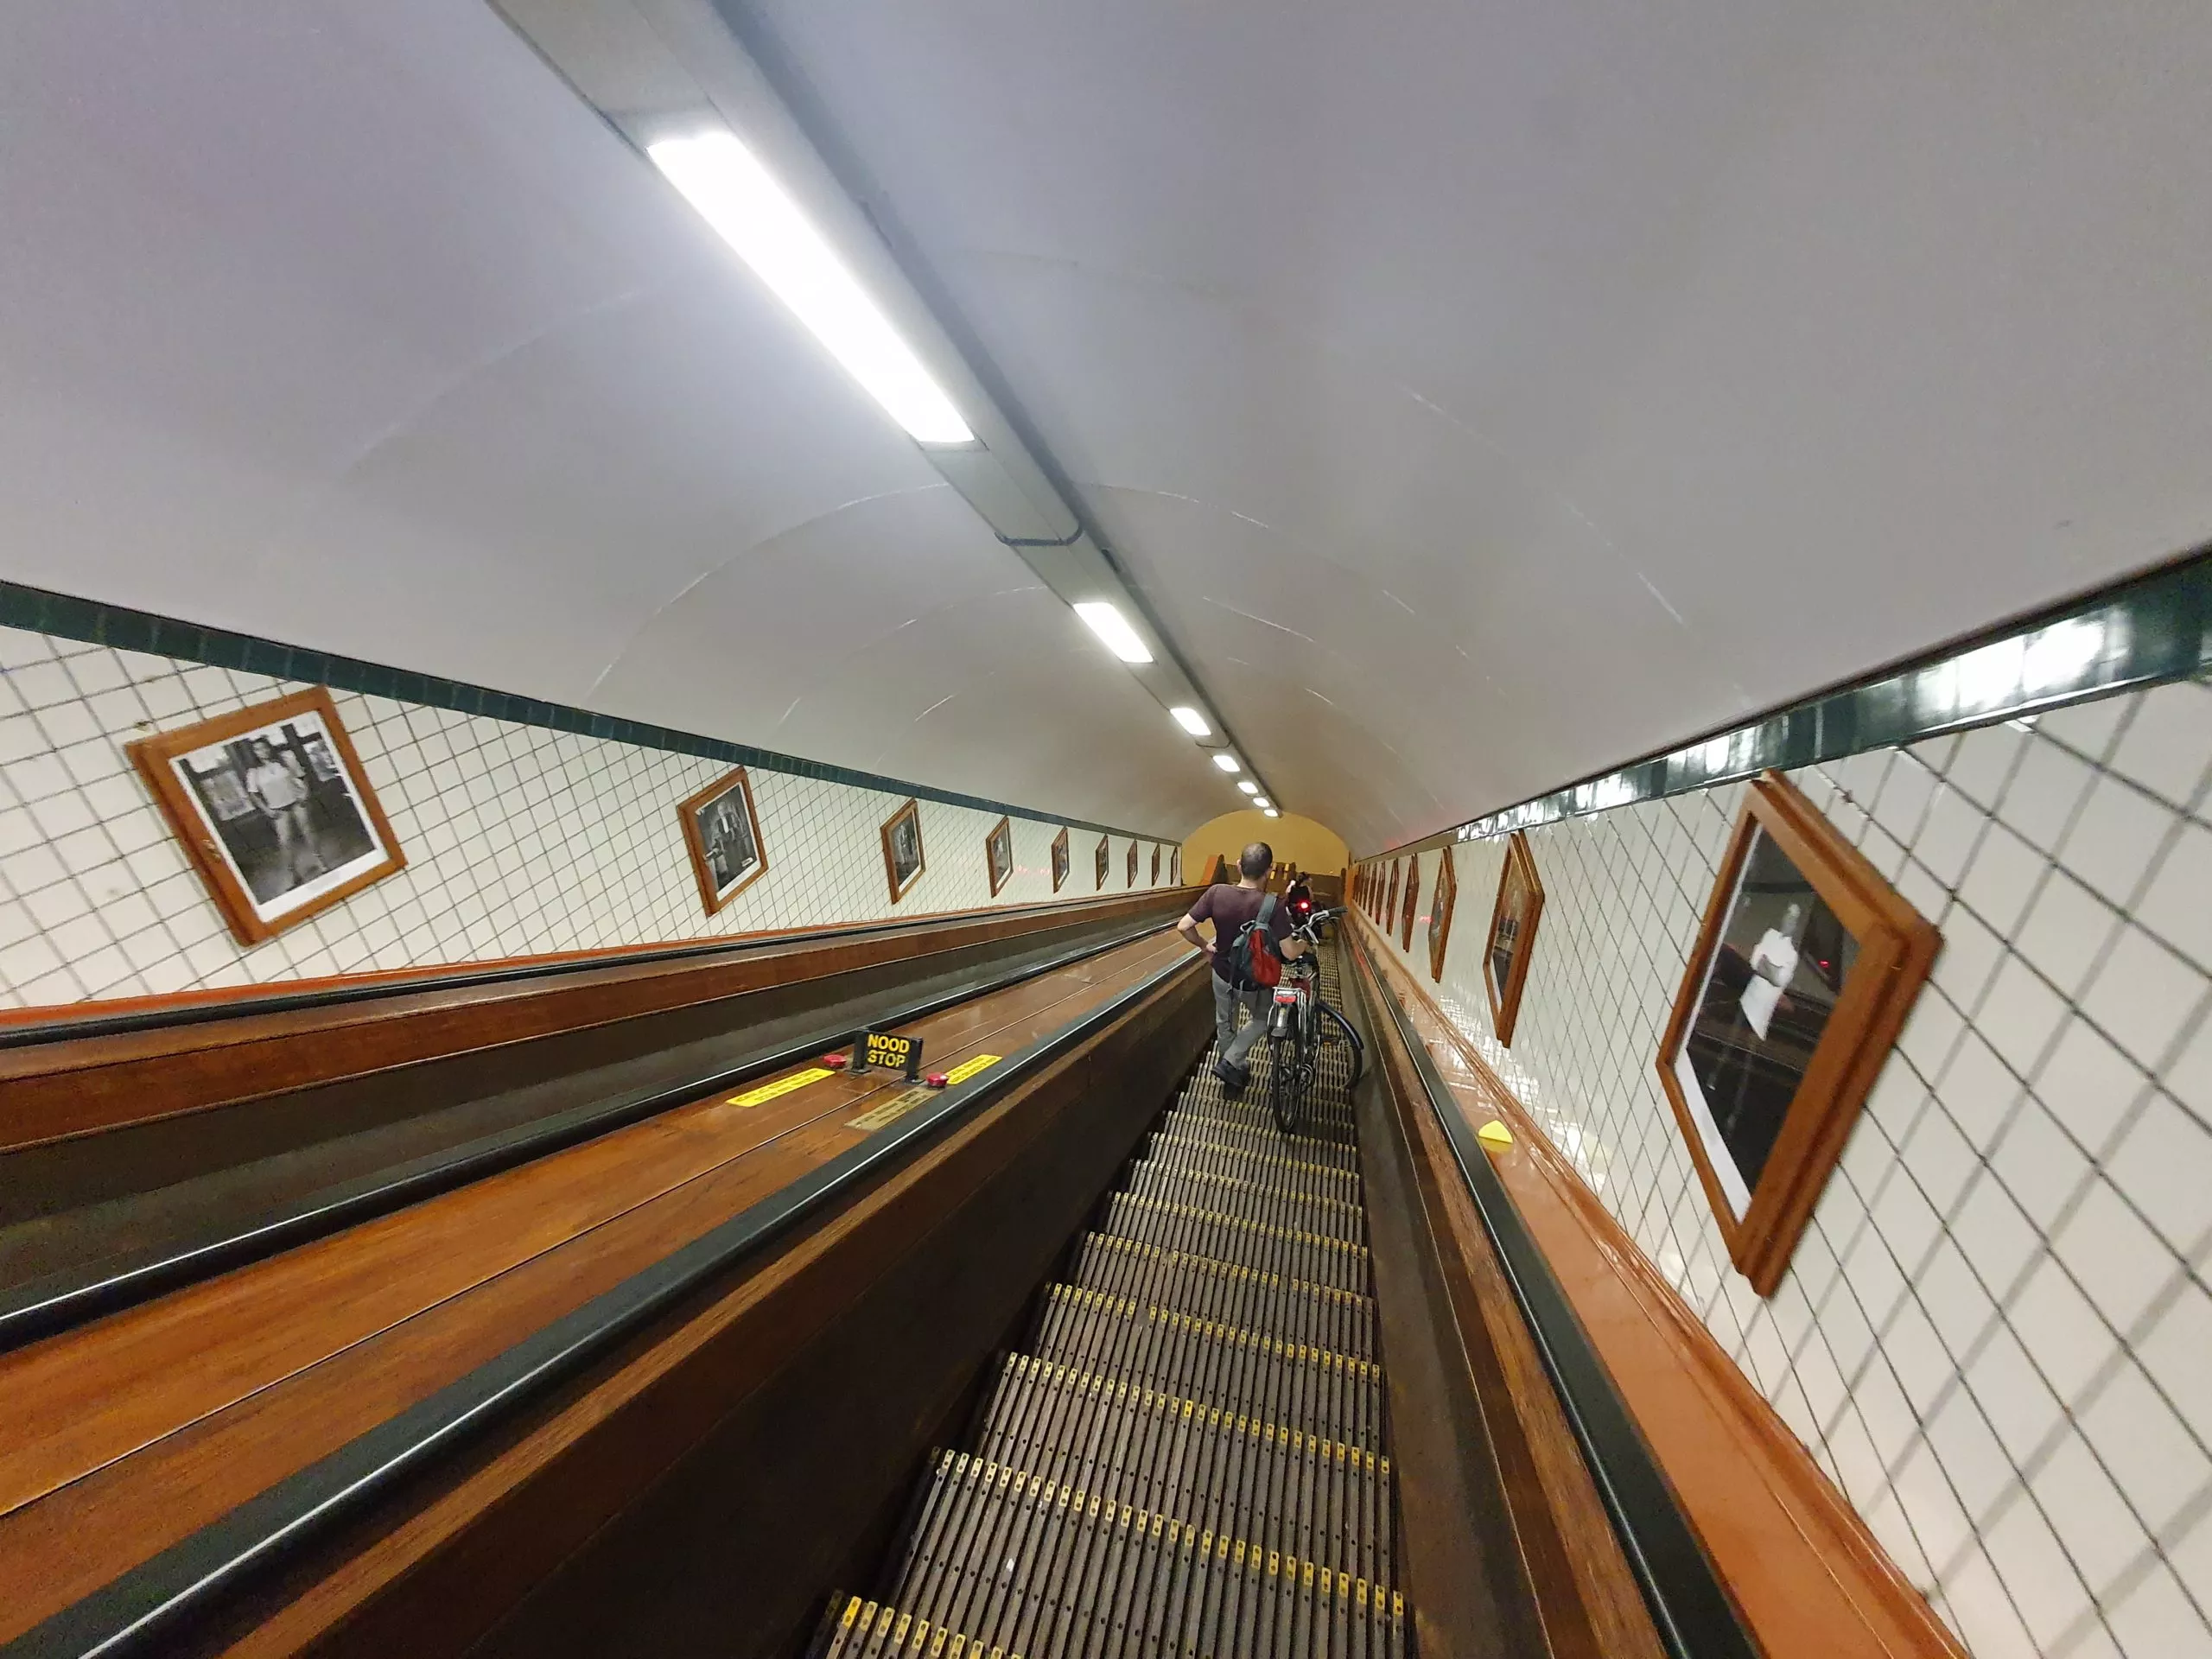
<point x="1996" y="1337"/>
<point x="521" y="839"/>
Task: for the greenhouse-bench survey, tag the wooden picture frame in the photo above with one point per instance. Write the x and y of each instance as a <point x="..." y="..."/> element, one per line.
<point x="1390" y="899"/>
<point x="1103" y="857"/>
<point x="1767" y="1057"/>
<point x="904" y="859"/>
<point x="998" y="854"/>
<point x="1511" y="940"/>
<point x="727" y="855"/>
<point x="257" y="795"/>
<point x="1412" y="903"/>
<point x="1155" y="864"/>
<point x="1061" y="859"/>
<point x="1440" y="905"/>
<point x="1130" y="880"/>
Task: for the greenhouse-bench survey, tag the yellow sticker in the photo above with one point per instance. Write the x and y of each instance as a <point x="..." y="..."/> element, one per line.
<point x="768" y="1091"/>
<point x="968" y="1069"/>
<point x="894" y="1108"/>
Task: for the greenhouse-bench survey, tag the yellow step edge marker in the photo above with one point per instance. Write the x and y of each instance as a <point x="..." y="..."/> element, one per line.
<point x="783" y="1085"/>
<point x="1495" y="1133"/>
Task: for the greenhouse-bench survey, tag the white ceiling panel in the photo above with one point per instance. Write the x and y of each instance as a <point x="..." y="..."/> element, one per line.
<point x="353" y="327"/>
<point x="1656" y="366"/>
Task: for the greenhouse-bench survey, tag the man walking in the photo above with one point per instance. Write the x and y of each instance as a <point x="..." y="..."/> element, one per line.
<point x="1229" y="908"/>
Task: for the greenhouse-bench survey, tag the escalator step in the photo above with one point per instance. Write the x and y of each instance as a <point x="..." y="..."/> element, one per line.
<point x="1318" y="1390"/>
<point x="1269" y="1146"/>
<point x="1233" y="1195"/>
<point x="1297" y="1308"/>
<point x="1294" y="1251"/>
<point x="1041" y="1567"/>
<point x="1299" y="1493"/>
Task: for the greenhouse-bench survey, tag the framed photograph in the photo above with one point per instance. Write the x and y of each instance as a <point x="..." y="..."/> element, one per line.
<point x="1131" y="880"/>
<point x="1060" y="861"/>
<point x="1439" y="913"/>
<point x="273" y="807"/>
<point x="1155" y="865"/>
<point x="1805" y="967"/>
<point x="1175" y="866"/>
<point x="1390" y="899"/>
<point x="902" y="849"/>
<point x="1512" y="935"/>
<point x="1412" y="905"/>
<point x="1104" y="852"/>
<point x="721" y="832"/>
<point x="998" y="854"/>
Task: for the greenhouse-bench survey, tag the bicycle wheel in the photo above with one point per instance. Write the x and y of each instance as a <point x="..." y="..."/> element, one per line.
<point x="1282" y="1090"/>
<point x="1358" y="1048"/>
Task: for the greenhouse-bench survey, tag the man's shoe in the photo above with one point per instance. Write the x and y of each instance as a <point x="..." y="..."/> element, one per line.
<point x="1233" y="1078"/>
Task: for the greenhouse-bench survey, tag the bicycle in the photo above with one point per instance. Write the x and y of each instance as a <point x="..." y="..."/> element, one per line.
<point x="1295" y="1028"/>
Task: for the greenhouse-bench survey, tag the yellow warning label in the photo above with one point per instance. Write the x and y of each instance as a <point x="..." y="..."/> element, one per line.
<point x="768" y="1091"/>
<point x="968" y="1069"/>
<point x="893" y="1110"/>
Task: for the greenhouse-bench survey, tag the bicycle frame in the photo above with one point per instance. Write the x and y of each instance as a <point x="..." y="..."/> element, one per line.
<point x="1293" y="1016"/>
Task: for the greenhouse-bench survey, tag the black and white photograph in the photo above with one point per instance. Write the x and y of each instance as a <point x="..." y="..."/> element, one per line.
<point x="1806" y="964"/>
<point x="1782" y="962"/>
<point x="1062" y="859"/>
<point x="902" y="849"/>
<point x="272" y="804"/>
<point x="998" y="853"/>
<point x="723" y="832"/>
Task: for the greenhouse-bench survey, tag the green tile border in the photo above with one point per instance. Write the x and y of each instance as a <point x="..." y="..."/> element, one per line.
<point x="64" y="616"/>
<point x="2147" y="630"/>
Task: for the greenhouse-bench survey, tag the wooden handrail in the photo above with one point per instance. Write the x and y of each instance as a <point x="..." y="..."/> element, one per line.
<point x="76" y="1086"/>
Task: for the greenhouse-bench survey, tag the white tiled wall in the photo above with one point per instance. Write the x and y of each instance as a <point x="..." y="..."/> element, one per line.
<point x="1996" y="1335"/>
<point x="520" y="840"/>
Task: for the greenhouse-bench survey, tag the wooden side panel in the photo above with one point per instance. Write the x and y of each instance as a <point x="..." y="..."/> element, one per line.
<point x="705" y="1492"/>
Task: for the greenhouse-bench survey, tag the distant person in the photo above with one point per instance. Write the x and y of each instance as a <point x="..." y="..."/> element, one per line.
<point x="1298" y="895"/>
<point x="1231" y="909"/>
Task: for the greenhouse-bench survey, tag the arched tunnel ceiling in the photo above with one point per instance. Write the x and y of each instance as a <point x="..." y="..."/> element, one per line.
<point x="351" y="326"/>
<point x="1481" y="395"/>
<point x="1486" y="394"/>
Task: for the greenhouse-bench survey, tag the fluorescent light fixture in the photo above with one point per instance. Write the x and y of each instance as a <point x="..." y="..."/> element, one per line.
<point x="1272" y="813"/>
<point x="1227" y="763"/>
<point x="754" y="215"/>
<point x="1248" y="786"/>
<point x="1264" y="805"/>
<point x="1107" y="621"/>
<point x="1191" y="721"/>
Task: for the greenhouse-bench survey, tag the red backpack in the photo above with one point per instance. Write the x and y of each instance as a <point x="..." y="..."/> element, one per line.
<point x="1252" y="959"/>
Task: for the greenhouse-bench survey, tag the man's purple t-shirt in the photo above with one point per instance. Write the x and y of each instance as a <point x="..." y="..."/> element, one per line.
<point x="1228" y="908"/>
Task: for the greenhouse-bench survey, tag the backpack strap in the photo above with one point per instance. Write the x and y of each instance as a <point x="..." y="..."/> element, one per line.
<point x="1266" y="911"/>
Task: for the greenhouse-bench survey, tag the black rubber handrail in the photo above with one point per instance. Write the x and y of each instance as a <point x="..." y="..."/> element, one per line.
<point x="73" y="1027"/>
<point x="55" y="1301"/>
<point x="142" y="1611"/>
<point x="1695" y="1617"/>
